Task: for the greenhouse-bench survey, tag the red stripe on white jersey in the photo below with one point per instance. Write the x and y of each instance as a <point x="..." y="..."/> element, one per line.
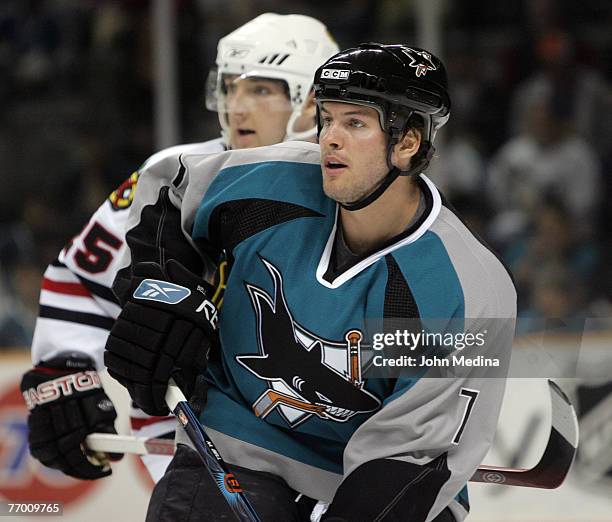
<point x="138" y="423"/>
<point x="65" y="288"/>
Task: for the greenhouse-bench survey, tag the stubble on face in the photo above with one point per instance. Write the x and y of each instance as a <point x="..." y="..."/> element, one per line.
<point x="351" y="188"/>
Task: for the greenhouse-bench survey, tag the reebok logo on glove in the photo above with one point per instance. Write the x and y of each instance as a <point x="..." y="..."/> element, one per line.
<point x="161" y="291"/>
<point x="49" y="391"/>
<point x="169" y="293"/>
<point x="211" y="312"/>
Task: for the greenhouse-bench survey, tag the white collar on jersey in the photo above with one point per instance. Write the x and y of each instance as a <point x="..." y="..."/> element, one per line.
<point x="364" y="263"/>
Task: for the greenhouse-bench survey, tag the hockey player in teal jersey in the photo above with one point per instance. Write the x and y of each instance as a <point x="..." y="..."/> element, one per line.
<point x="317" y="241"/>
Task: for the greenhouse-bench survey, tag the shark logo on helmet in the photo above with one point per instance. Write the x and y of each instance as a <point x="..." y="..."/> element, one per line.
<point x="421" y="61"/>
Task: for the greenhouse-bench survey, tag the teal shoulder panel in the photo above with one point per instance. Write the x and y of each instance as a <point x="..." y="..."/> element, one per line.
<point x="282" y="181"/>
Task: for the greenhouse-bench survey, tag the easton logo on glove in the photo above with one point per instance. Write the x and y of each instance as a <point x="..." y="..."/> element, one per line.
<point x="161" y="291"/>
<point x="50" y="391"/>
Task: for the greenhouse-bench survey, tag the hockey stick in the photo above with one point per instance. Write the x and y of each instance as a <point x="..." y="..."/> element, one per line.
<point x="111" y="443"/>
<point x="548" y="473"/>
<point x="226" y="482"/>
<point x="555" y="463"/>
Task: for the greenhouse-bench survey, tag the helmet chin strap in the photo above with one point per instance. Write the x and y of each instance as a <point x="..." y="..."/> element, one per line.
<point x="391" y="176"/>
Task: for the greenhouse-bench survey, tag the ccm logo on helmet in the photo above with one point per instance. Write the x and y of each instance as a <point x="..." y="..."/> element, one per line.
<point x="335" y="74"/>
<point x="50" y="391"/>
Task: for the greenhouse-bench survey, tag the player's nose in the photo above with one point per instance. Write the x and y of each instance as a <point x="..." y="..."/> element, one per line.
<point x="331" y="137"/>
<point x="239" y="103"/>
<point x="237" y="117"/>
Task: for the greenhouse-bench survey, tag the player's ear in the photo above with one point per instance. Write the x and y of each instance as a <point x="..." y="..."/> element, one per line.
<point x="406" y="148"/>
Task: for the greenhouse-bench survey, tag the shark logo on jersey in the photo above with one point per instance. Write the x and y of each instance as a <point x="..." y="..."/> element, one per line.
<point x="306" y="374"/>
<point x="161" y="291"/>
<point x="421" y="61"/>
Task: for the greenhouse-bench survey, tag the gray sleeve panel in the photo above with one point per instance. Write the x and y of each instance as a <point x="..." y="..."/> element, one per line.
<point x="422" y="423"/>
<point x="487" y="287"/>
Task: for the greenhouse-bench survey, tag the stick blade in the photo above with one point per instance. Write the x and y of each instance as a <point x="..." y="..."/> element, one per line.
<point x="558" y="457"/>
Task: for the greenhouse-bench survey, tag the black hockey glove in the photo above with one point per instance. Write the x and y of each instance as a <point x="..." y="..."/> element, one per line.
<point x="165" y="330"/>
<point x="67" y="402"/>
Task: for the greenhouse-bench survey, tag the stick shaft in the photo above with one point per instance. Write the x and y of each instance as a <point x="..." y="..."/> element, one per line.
<point x="548" y="473"/>
<point x="227" y="483"/>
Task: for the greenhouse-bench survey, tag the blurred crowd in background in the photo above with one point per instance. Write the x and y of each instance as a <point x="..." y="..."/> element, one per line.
<point x="526" y="156"/>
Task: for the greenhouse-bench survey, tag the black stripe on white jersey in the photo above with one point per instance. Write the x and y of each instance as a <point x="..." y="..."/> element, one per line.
<point x="60" y="314"/>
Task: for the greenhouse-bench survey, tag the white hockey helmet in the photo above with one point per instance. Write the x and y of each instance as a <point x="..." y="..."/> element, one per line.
<point x="279" y="47"/>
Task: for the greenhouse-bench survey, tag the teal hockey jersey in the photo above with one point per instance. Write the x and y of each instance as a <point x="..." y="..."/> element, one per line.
<point x="294" y="390"/>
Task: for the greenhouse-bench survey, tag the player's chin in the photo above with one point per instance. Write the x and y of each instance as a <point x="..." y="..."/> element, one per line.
<point x="334" y="191"/>
<point x="246" y="141"/>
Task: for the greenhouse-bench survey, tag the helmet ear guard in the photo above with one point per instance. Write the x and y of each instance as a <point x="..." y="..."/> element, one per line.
<point x="420" y="161"/>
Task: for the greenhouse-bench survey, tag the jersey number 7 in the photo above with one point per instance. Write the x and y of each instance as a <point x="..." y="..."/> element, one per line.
<point x="471" y="396"/>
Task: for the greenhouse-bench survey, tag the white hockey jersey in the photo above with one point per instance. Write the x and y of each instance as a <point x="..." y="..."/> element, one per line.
<point x="77" y="305"/>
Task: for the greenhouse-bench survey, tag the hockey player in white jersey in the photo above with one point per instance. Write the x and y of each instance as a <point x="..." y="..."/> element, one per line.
<point x="262" y="90"/>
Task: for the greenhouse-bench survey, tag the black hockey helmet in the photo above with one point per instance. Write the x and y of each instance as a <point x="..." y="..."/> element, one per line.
<point x="398" y="81"/>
